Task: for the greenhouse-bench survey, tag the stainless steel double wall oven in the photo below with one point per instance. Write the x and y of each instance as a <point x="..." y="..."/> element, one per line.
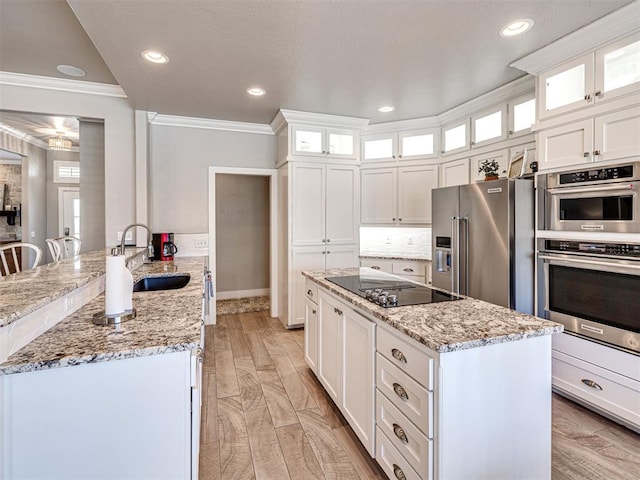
<point x="591" y="282"/>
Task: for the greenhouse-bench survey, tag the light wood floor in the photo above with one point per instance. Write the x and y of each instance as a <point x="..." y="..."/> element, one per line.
<point x="265" y="416"/>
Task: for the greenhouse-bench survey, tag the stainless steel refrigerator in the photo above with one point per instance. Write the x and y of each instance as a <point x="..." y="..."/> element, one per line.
<point x="483" y="241"/>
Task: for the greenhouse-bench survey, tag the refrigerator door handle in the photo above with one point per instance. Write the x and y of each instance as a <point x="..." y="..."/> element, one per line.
<point x="466" y="254"/>
<point x="455" y="245"/>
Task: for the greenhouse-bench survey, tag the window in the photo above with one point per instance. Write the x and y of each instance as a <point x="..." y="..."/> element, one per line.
<point x="66" y="172"/>
<point x="487" y="127"/>
<point x="374" y="149"/>
<point x="455" y="138"/>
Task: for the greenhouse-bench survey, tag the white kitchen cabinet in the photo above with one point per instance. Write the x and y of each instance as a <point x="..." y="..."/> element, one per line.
<point x="606" y="137"/>
<point x="406" y="145"/>
<point x="414" y="270"/>
<point x="455" y="172"/>
<point x="323" y="142"/>
<point x="325" y="204"/>
<point x="60" y="422"/>
<point x="398" y="195"/>
<point x="489" y="126"/>
<point x="456" y="137"/>
<point x="314" y="258"/>
<point x="311" y="333"/>
<point x="501" y="156"/>
<point x="330" y="339"/>
<point x="382" y="265"/>
<point x="607" y="73"/>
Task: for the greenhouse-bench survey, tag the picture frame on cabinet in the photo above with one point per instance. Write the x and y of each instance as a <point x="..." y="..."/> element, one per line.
<point x="520" y="164"/>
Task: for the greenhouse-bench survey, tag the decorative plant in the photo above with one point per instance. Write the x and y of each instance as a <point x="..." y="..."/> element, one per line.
<point x="489" y="167"/>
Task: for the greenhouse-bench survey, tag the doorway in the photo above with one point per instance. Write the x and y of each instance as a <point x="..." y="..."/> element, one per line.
<point x="242" y="237"/>
<point x="69" y="212"/>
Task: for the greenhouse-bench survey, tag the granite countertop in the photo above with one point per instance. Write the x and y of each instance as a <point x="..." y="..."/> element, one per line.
<point x="447" y="326"/>
<point x="167" y="321"/>
<point x="25" y="292"/>
<point x="397" y="256"/>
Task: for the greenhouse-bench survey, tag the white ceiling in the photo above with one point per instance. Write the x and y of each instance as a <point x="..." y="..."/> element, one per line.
<point x="341" y="57"/>
<point x="42" y="127"/>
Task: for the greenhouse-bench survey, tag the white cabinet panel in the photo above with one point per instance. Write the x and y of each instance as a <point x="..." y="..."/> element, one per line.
<point x="342" y="204"/>
<point x="379" y="195"/>
<point x="454" y="173"/>
<point x="566" y="145"/>
<point x="500" y="156"/>
<point x="617" y="68"/>
<point x="311" y="335"/>
<point x="414" y="193"/>
<point x="308" y="204"/>
<point x="358" y="363"/>
<point x="341" y="256"/>
<point x="302" y="258"/>
<point x="377" y="264"/>
<point x="566" y="87"/>
<point x="330" y="346"/>
<point x="308" y="140"/>
<point x="617" y="135"/>
<point x="323" y="142"/>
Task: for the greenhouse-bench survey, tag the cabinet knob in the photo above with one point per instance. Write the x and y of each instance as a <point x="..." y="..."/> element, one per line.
<point x="313" y="311"/>
<point x="324" y="240"/>
<point x="397" y="471"/>
<point x="587" y="97"/>
<point x="328" y="240"/>
<point x="591" y="383"/>
<point x="399" y="156"/>
<point x="393" y="219"/>
<point x="407" y="269"/>
<point x="398" y="355"/>
<point x="399" y="432"/>
<point x="597" y="152"/>
<point x="375" y="267"/>
<point x="310" y="293"/>
<point x="586" y="154"/>
<point x="337" y="311"/>
<point x="400" y="391"/>
<point x="393" y="156"/>
<point x="598" y="93"/>
<point x="328" y="252"/>
<point x="399" y="219"/>
<point x="323" y="252"/>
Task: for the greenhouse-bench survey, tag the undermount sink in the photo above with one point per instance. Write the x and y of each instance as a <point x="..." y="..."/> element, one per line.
<point x="152" y="284"/>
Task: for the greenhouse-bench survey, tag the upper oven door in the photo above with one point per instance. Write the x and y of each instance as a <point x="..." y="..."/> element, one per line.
<point x="611" y="207"/>
<point x="589" y="294"/>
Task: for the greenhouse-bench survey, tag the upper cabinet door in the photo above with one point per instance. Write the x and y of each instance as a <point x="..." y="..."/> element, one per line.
<point x="342" y="204"/>
<point x="456" y="137"/>
<point x="455" y="172"/>
<point x="566" y="145"/>
<point x="308" y="187"/>
<point x="566" y="87"/>
<point x="617" y="135"/>
<point x="341" y="143"/>
<point x="414" y="194"/>
<point x="308" y="141"/>
<point x="618" y="68"/>
<point x="418" y="144"/>
<point x="379" y="195"/>
<point x="489" y="126"/>
<point x="379" y="148"/>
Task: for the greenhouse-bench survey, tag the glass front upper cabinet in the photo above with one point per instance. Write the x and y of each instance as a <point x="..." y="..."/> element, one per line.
<point x="566" y="87"/>
<point x="318" y="141"/>
<point x="308" y="140"/>
<point x="418" y="144"/>
<point x="408" y="145"/>
<point x="455" y="138"/>
<point x="618" y="68"/>
<point x="522" y="115"/>
<point x="489" y="126"/>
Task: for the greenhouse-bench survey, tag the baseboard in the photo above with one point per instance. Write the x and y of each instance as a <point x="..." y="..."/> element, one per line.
<point x="261" y="292"/>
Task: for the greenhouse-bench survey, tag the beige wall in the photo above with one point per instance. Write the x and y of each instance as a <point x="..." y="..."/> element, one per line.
<point x="242" y="232"/>
<point x="11" y="177"/>
<point x="92" y="190"/>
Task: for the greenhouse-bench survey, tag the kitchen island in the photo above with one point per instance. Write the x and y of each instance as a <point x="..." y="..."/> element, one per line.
<point x="457" y="389"/>
<point x="118" y="401"/>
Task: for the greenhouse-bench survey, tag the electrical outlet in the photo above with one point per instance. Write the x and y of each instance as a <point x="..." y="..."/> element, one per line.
<point x="202" y="243"/>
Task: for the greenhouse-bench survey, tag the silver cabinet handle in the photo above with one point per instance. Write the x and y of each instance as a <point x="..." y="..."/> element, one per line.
<point x="397" y="471"/>
<point x="399" y="432"/>
<point x="398" y="355"/>
<point x="400" y="391"/>
<point x="407" y="269"/>
<point x="591" y="383"/>
<point x="598" y="93"/>
<point x="310" y="293"/>
<point x="338" y="311"/>
<point x="375" y="267"/>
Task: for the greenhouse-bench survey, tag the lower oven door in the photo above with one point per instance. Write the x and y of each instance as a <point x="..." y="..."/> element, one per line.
<point x="595" y="297"/>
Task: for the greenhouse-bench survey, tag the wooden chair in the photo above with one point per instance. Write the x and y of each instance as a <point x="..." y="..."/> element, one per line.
<point x="64" y="247"/>
<point x="15" y="251"/>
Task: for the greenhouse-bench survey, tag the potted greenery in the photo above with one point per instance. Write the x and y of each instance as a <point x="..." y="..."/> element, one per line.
<point x="490" y="169"/>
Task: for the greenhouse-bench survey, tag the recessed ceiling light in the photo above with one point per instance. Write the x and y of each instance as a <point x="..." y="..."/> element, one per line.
<point x="154" y="56"/>
<point x="256" y="91"/>
<point x="71" y="70"/>
<point x="516" y="27"/>
<point x="386" y="109"/>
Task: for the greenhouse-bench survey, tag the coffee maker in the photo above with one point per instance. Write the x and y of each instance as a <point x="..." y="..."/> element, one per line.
<point x="163" y="246"/>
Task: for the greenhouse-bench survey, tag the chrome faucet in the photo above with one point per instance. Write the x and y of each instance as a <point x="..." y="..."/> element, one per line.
<point x="149" y="241"/>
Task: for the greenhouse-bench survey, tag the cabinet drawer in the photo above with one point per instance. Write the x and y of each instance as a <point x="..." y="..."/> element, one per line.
<point x="406" y="357"/>
<point x="311" y="291"/>
<point x="376" y="264"/>
<point x="394" y="464"/>
<point x="409" y="268"/>
<point x="406" y="394"/>
<point x="408" y="440"/>
<point x="413" y="278"/>
<point x="614" y="393"/>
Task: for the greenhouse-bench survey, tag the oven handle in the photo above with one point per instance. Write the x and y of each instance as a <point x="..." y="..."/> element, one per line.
<point x="595" y="188"/>
<point x="566" y="259"/>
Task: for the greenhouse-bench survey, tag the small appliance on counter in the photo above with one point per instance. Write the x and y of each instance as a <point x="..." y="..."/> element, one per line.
<point x="163" y="246"/>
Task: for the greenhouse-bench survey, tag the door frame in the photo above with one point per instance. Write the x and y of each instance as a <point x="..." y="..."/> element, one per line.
<point x="61" y="191"/>
<point x="271" y="173"/>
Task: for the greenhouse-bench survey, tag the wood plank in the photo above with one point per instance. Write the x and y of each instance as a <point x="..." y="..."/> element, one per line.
<point x="249" y="384"/>
<point x="238" y="340"/>
<point x="296" y="390"/>
<point x="209" y="364"/>
<point x="282" y="412"/>
<point x="250" y="322"/>
<point x="362" y="462"/>
<point x="294" y="351"/>
<point x="331" y="414"/>
<point x="332" y="458"/>
<point x="209" y="424"/>
<point x="209" y="462"/>
<point x="268" y="461"/>
<point x="298" y="454"/>
<point x="221" y="337"/>
<point x="227" y="382"/>
<point x="259" y="354"/>
<point x="235" y="452"/>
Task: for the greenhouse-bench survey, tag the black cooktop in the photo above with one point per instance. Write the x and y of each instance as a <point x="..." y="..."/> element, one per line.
<point x="388" y="291"/>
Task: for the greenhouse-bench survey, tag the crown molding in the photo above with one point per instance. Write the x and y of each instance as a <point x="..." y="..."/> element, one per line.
<point x="503" y="94"/>
<point x="316" y="119"/>
<point x="402" y="125"/>
<point x="607" y="29"/>
<point x="61" y="84"/>
<point x="208" y="124"/>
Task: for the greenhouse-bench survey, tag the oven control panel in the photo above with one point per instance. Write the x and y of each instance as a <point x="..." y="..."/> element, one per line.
<point x="611" y="249"/>
<point x="597" y="174"/>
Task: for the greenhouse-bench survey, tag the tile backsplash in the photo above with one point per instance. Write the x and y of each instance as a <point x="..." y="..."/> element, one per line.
<point x="395" y="240"/>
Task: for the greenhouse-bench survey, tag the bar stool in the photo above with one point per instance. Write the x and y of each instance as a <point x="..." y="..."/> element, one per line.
<point x="15" y="252"/>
